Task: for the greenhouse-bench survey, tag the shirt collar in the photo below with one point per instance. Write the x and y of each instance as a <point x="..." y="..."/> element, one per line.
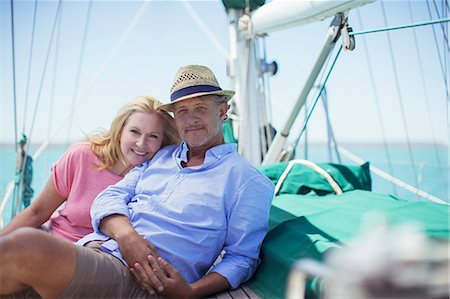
<point x="212" y="155"/>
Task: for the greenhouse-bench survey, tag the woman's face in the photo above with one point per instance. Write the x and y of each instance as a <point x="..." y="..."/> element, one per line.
<point x="141" y="137"/>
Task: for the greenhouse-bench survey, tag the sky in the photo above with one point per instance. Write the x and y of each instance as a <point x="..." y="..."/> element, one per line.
<point x="134" y="48"/>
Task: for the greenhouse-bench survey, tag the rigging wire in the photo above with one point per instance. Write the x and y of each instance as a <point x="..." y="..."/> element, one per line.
<point x="30" y="59"/>
<point x="19" y="171"/>
<point x="97" y="75"/>
<point x="405" y="26"/>
<point x="311" y="99"/>
<point x="439" y="52"/>
<point x="446" y="57"/>
<point x="44" y="71"/>
<point x="377" y="103"/>
<point x="443" y="68"/>
<point x="442" y="25"/>
<point x="55" y="72"/>
<point x="400" y="98"/>
<point x="427" y="99"/>
<point x="212" y="39"/>
<point x="53" y="83"/>
<point x="13" y="49"/>
<point x="332" y="144"/>
<point x="315" y="102"/>
<point x="78" y="74"/>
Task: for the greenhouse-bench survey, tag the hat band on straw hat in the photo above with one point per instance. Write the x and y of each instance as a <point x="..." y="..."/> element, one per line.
<point x="193" y="89"/>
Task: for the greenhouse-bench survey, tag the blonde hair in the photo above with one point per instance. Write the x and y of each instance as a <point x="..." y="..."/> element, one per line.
<point x="106" y="145"/>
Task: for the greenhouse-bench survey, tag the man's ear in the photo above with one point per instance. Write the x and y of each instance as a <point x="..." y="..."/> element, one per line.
<point x="223" y="110"/>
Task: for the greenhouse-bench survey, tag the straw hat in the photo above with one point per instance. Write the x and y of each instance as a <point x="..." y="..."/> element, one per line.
<point x="194" y="81"/>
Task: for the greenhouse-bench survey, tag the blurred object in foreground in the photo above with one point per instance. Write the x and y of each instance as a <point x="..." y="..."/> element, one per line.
<point x="386" y="262"/>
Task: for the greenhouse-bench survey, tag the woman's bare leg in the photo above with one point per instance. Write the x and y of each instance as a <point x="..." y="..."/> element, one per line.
<point x="31" y="257"/>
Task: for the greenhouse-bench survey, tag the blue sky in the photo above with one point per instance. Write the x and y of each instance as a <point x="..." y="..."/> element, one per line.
<point x="165" y="37"/>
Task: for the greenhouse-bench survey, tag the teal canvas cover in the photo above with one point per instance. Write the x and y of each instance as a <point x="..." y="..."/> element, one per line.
<point x="307" y="226"/>
<point x="228" y="135"/>
<point x="303" y="180"/>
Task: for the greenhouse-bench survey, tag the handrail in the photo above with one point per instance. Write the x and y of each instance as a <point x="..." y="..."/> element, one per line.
<point x="314" y="167"/>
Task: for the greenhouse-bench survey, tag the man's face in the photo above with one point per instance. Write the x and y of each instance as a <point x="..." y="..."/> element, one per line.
<point x="199" y="121"/>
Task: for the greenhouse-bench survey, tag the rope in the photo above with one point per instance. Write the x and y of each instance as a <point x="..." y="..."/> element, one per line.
<point x="315" y="103"/>
<point x="314" y="167"/>
<point x="30" y="59"/>
<point x="391" y="178"/>
<point x="427" y="100"/>
<point x="400" y="98"/>
<point x="377" y="104"/>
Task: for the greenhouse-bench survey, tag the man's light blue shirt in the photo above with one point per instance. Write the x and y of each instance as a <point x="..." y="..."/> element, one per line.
<point x="191" y="214"/>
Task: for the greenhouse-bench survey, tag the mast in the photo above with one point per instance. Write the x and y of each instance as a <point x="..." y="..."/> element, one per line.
<point x="243" y="70"/>
<point x="246" y="68"/>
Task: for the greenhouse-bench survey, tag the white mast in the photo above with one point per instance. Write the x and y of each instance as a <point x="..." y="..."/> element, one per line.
<point x="246" y="67"/>
<point x="244" y="77"/>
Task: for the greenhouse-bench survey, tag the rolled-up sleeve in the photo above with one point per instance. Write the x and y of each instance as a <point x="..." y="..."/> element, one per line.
<point x="115" y="198"/>
<point x="247" y="227"/>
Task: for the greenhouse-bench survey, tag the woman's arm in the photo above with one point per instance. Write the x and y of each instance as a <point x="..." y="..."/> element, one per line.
<point x="39" y="211"/>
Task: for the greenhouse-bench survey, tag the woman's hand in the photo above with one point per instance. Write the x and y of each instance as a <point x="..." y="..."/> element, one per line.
<point x="134" y="249"/>
<point x="173" y="283"/>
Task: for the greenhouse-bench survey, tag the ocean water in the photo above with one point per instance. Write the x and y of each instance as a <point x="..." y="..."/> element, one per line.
<point x="431" y="167"/>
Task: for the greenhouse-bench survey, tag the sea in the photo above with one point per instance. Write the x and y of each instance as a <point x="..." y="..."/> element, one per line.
<point x="431" y="167"/>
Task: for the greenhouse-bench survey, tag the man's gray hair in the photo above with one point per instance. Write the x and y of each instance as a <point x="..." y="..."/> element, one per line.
<point x="220" y="100"/>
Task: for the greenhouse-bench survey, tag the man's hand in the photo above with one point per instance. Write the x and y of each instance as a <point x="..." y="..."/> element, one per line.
<point x="173" y="283"/>
<point x="134" y="249"/>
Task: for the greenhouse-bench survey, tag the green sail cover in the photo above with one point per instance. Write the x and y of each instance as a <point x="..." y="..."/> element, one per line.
<point x="307" y="226"/>
<point x="307" y="219"/>
<point x="228" y="135"/>
<point x="303" y="180"/>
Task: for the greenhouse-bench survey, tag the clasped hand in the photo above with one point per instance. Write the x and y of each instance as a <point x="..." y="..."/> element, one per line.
<point x="151" y="271"/>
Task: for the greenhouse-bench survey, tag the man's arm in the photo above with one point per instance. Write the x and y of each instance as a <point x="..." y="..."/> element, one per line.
<point x="247" y="227"/>
<point x="110" y="216"/>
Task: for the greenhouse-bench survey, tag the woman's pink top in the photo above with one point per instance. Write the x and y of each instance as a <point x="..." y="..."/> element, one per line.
<point x="78" y="179"/>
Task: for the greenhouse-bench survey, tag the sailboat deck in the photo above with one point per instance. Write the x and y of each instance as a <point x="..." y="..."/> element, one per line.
<point x="243" y="292"/>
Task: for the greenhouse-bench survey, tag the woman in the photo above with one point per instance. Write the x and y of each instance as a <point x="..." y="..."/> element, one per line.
<point x="136" y="134"/>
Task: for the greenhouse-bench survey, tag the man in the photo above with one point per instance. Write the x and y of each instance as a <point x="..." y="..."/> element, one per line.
<point x="167" y="220"/>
